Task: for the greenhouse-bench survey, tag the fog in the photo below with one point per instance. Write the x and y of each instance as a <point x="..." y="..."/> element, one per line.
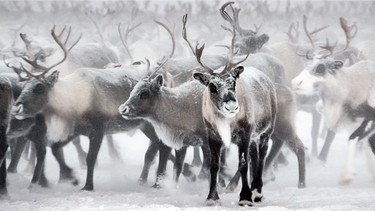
<point x="116" y="182"/>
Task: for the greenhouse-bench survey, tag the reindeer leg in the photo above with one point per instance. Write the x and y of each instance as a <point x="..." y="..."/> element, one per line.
<point x="37" y="137"/>
<point x="96" y="139"/>
<point x="180" y="157"/>
<point x="115" y="155"/>
<point x="16" y="155"/>
<point x="164" y="155"/>
<point x="204" y="172"/>
<point x="215" y="148"/>
<point x="66" y="173"/>
<point x="257" y="183"/>
<point x="81" y="153"/>
<point x="299" y="150"/>
<point x="31" y="164"/>
<point x="327" y="144"/>
<point x="316" y="117"/>
<point x="243" y="167"/>
<point x="362" y="131"/>
<point x="149" y="158"/>
<point x="3" y="173"/>
<point x="39" y="167"/>
<point x="196" y="157"/>
<point x="274" y="152"/>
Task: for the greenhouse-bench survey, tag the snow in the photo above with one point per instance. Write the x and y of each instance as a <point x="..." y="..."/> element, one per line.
<point x="116" y="186"/>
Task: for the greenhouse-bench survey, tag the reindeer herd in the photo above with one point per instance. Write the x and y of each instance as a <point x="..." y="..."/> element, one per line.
<point x="241" y="87"/>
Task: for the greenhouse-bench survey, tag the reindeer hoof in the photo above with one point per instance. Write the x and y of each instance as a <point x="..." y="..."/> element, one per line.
<point x="75" y="182"/>
<point x="189" y="174"/>
<point x="257" y="197"/>
<point x="230" y="188"/>
<point x="142" y="182"/>
<point x="87" y="188"/>
<point x="244" y="203"/>
<point x="345" y="181"/>
<point x="157" y="185"/>
<point x="212" y="202"/>
<point x="301" y="185"/>
<point x="43" y="183"/>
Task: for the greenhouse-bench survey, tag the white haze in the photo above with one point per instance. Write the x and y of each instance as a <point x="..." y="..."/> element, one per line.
<point x="115" y="183"/>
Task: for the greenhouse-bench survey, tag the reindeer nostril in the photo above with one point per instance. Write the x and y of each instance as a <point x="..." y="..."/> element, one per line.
<point x="17" y="109"/>
<point x="123" y="109"/>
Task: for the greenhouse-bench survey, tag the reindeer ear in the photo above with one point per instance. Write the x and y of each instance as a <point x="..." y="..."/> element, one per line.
<point x="262" y="39"/>
<point x="48" y="51"/>
<point x="52" y="79"/>
<point x="157" y="82"/>
<point x="202" y="77"/>
<point x="237" y="71"/>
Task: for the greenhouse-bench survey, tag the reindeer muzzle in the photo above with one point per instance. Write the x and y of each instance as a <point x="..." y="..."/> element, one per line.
<point x="17" y="112"/>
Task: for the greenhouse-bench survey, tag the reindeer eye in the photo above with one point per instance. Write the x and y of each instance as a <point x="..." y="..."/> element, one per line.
<point x="39" y="88"/>
<point x="212" y="87"/>
<point x="320" y="69"/>
<point x="144" y="95"/>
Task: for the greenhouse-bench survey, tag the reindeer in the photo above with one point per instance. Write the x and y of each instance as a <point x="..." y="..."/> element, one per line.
<point x="347" y="54"/>
<point x="90" y="115"/>
<point x="37" y="123"/>
<point x="6" y="97"/>
<point x="346" y="97"/>
<point x="341" y="101"/>
<point x="151" y="101"/>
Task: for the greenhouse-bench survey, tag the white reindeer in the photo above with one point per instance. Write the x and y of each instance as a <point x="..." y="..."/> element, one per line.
<point x="346" y="97"/>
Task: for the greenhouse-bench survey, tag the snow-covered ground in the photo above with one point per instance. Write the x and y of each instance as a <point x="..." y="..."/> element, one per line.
<point x="116" y="186"/>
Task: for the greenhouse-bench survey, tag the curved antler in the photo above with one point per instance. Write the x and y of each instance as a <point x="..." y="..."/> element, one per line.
<point x="62" y="45"/>
<point x="198" y="51"/>
<point x="309" y="36"/>
<point x="171" y="35"/>
<point x="233" y="21"/>
<point x="349" y="34"/>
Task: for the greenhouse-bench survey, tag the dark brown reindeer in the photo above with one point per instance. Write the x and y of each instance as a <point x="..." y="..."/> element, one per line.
<point x="284" y="129"/>
<point x="152" y="101"/>
<point x="90" y="111"/>
<point x="33" y="128"/>
<point x="6" y="97"/>
<point x="241" y="107"/>
<point x="273" y="68"/>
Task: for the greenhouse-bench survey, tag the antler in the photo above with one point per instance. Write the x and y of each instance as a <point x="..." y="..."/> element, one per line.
<point x="233" y="21"/>
<point x="328" y="48"/>
<point x="292" y="32"/>
<point x="230" y="63"/>
<point x="156" y="69"/>
<point x="309" y="36"/>
<point x="124" y="37"/>
<point x="349" y="34"/>
<point x="171" y="35"/>
<point x="198" y="51"/>
<point x="17" y="70"/>
<point x="62" y="44"/>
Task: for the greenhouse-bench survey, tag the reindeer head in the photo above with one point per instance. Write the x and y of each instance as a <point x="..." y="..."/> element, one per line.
<point x="221" y="85"/>
<point x="222" y="90"/>
<point x="36" y="50"/>
<point x="34" y="96"/>
<point x="142" y="98"/>
<point x="244" y="40"/>
<point x="311" y="80"/>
